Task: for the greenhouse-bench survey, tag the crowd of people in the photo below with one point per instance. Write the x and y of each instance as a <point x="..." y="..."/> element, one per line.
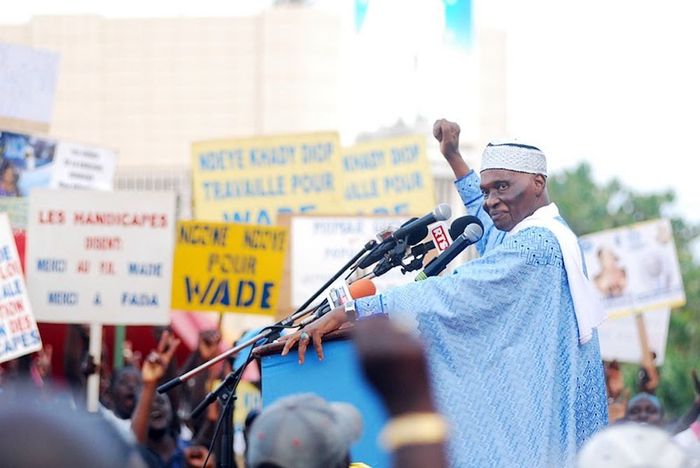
<point x="496" y="364"/>
<point x="137" y="427"/>
<point x="156" y="426"/>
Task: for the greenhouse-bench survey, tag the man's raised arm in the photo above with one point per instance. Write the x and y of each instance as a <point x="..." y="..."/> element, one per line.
<point x="467" y="182"/>
<point x="447" y="133"/>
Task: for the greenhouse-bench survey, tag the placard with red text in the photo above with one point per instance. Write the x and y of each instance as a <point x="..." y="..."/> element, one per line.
<point x="19" y="334"/>
<point x="100" y="257"/>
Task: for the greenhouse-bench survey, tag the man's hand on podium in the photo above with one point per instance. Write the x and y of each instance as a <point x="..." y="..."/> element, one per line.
<point x="314" y="332"/>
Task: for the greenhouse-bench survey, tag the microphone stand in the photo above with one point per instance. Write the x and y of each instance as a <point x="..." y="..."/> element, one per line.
<point x="225" y="391"/>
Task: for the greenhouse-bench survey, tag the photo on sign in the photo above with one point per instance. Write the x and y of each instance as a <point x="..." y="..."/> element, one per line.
<point x="25" y="162"/>
<point x="635" y="268"/>
<point x="28" y="162"/>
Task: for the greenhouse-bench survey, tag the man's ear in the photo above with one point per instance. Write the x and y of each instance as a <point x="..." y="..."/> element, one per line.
<point x="540" y="184"/>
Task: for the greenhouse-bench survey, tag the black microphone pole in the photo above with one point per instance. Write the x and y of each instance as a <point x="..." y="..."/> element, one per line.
<point x="225" y="392"/>
<point x="267" y="331"/>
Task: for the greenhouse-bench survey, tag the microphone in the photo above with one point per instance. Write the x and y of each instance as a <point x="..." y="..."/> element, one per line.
<point x="360" y="288"/>
<point x="441" y="213"/>
<point x="458" y="225"/>
<point x="472" y="233"/>
<point x="414" y="230"/>
<point x="456" y="229"/>
<point x="440" y="240"/>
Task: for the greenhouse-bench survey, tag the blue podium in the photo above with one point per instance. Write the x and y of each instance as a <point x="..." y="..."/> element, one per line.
<point x="337" y="378"/>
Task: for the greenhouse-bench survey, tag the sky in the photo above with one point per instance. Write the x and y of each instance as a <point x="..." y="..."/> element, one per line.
<point x="612" y="82"/>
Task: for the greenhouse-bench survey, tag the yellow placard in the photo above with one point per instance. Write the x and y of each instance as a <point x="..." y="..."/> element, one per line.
<point x="389" y="176"/>
<point x="248" y="398"/>
<point x="251" y="180"/>
<point x="228" y="267"/>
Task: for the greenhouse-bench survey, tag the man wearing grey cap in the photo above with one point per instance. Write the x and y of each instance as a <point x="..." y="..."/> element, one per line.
<point x="303" y="431"/>
<point x="510" y="337"/>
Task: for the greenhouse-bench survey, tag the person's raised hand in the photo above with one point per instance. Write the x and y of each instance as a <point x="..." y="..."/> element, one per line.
<point x="394" y="363"/>
<point x="157" y="361"/>
<point x="89" y="366"/>
<point x="614" y="379"/>
<point x="42" y="361"/>
<point x="447" y="134"/>
<point x="195" y="456"/>
<point x="314" y="332"/>
<point x="208" y="345"/>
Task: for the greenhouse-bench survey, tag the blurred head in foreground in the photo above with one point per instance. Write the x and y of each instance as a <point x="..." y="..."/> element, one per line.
<point x="303" y="431"/>
<point x="632" y="446"/>
<point x="40" y="434"/>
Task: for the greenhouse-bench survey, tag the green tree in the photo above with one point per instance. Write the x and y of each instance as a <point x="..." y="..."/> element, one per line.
<point x="590" y="207"/>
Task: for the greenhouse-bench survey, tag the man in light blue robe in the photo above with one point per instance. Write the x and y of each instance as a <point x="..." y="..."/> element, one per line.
<point x="510" y="337"/>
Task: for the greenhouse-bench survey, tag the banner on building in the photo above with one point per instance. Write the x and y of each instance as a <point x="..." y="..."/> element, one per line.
<point x="228" y="267"/>
<point x="103" y="258"/>
<point x="387" y="177"/>
<point x="30" y="161"/>
<point x="252" y="180"/>
<point x="635" y="268"/>
<point x="19" y="334"/>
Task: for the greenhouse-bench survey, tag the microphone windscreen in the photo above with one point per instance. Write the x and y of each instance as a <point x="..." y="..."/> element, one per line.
<point x="362" y="288"/>
<point x="459" y="225"/>
<point x="473" y="232"/>
<point x="417" y="236"/>
<point x="409" y="221"/>
<point x="442" y="212"/>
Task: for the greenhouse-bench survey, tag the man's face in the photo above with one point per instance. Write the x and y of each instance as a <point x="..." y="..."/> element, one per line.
<point x="510" y="197"/>
<point x="161" y="413"/>
<point x="126" y="390"/>
<point x="644" y="411"/>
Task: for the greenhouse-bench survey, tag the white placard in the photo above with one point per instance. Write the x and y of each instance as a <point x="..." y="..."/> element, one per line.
<point x="321" y="245"/>
<point x="635" y="268"/>
<point x="83" y="167"/>
<point x="619" y="338"/>
<point x="19" y="334"/>
<point x="28" y="79"/>
<point x="39" y="161"/>
<point x="102" y="257"/>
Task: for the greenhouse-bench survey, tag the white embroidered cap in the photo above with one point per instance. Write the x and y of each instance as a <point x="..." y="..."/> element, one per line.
<point x="513" y="155"/>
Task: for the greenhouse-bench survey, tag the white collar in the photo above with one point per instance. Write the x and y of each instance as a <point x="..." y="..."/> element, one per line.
<point x="589" y="311"/>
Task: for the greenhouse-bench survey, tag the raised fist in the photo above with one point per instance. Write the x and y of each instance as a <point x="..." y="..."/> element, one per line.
<point x="447" y="133"/>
